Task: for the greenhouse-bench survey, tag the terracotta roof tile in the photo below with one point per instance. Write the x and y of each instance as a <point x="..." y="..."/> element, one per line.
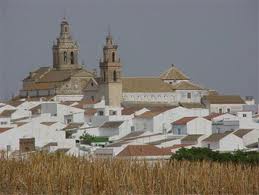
<point x="192" y="137"/>
<point x="215" y="137"/>
<point x="224" y="99"/>
<point x="241" y="132"/>
<point x="173" y="73"/>
<point x="186" y="85"/>
<point x="73" y="126"/>
<point x="149" y="85"/>
<point x="4" y="129"/>
<point x="6" y="113"/>
<point x="112" y="124"/>
<point x="48" y="123"/>
<point x="212" y="116"/>
<point x="191" y="105"/>
<point x="143" y="150"/>
<point x="184" y="120"/>
<point x="149" y="114"/>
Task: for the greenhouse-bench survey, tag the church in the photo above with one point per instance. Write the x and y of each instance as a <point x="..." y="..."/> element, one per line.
<point x="68" y="79"/>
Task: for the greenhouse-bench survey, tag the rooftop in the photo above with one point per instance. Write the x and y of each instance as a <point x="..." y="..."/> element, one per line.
<point x="145" y="84"/>
<point x="242" y="132"/>
<point x="192" y="137"/>
<point x="173" y="73"/>
<point x="143" y="150"/>
<point x="6" y="113"/>
<point x="112" y="124"/>
<point x="184" y="120"/>
<point x="217" y="136"/>
<point x="224" y="99"/>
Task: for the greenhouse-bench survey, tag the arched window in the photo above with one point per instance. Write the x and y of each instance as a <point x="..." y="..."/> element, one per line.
<point x="104" y="76"/>
<point x="65" y="29"/>
<point x="113" y="56"/>
<point x="72" y="57"/>
<point x="114" y="75"/>
<point x="65" y="57"/>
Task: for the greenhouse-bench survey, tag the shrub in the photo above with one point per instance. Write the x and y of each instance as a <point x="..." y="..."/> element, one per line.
<point x="201" y="154"/>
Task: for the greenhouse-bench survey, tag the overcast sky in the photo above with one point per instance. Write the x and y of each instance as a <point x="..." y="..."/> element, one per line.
<point x="215" y="42"/>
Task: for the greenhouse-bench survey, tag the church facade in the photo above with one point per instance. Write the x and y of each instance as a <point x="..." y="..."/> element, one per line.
<point x="68" y="78"/>
<point x="65" y="77"/>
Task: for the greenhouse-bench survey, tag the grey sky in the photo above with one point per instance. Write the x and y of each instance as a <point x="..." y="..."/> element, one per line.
<point x="215" y="42"/>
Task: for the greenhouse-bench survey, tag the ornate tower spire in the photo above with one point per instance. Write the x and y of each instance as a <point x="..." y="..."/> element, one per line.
<point x="65" y="50"/>
<point x="110" y="70"/>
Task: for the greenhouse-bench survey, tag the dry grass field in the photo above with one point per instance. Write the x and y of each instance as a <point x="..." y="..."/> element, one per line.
<point x="60" y="174"/>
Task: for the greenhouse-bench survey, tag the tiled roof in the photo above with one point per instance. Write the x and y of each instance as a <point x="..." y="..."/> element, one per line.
<point x="184" y="120"/>
<point x="73" y="126"/>
<point x="158" y="142"/>
<point x="215" y="137"/>
<point x="224" y="99"/>
<point x="212" y="116"/>
<point x="186" y="85"/>
<point x="133" y="134"/>
<point x="130" y="110"/>
<point x="41" y="86"/>
<point x="192" y="137"/>
<point x="241" y="132"/>
<point x="143" y="150"/>
<point x="4" y="129"/>
<point x="191" y="105"/>
<point x="14" y="103"/>
<point x="173" y="73"/>
<point x="112" y="124"/>
<point x="36" y="74"/>
<point x="57" y="75"/>
<point x="148" y="85"/>
<point x="48" y="123"/>
<point x="149" y="114"/>
<point x="6" y="113"/>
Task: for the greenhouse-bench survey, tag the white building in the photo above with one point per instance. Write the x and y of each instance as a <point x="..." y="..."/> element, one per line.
<point x="223" y="142"/>
<point x="223" y="103"/>
<point x="192" y="125"/>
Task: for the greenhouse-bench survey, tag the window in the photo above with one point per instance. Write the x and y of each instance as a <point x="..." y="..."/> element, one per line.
<point x="170" y="83"/>
<point x="220" y="110"/>
<point x="179" y="132"/>
<point x="72" y="57"/>
<point x="244" y="115"/>
<point x="92" y="84"/>
<point x="3" y="123"/>
<point x="132" y="128"/>
<point x="113" y="56"/>
<point x="65" y="57"/>
<point x="65" y="28"/>
<point x="92" y="98"/>
<point x="101" y="113"/>
<point x="209" y="146"/>
<point x="104" y="76"/>
<point x="189" y="95"/>
<point x="228" y="110"/>
<point x="114" y="75"/>
<point x="69" y="121"/>
<point x="112" y="112"/>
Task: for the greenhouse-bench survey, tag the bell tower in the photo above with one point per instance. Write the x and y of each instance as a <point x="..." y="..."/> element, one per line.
<point x="110" y="74"/>
<point x="65" y="49"/>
